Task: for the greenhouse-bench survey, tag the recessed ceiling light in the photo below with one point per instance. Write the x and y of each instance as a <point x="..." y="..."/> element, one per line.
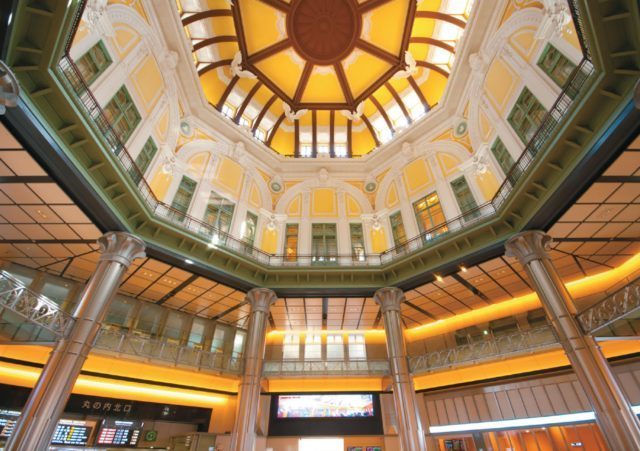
<point x="438" y="277"/>
<point x="463" y="268"/>
<point x="188" y="261"/>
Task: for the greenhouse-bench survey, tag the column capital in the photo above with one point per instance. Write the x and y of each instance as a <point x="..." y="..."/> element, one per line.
<point x="261" y="299"/>
<point x="121" y="247"/>
<point x="389" y="298"/>
<point x="529" y="245"/>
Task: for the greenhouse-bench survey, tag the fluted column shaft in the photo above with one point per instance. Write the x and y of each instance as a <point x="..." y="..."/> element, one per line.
<point x="617" y="421"/>
<point x="410" y="430"/>
<point x="46" y="403"/>
<point x="244" y="429"/>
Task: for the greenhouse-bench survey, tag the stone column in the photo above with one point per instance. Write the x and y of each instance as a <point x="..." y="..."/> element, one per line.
<point x="618" y="423"/>
<point x="410" y="428"/>
<point x="45" y="405"/>
<point x="244" y="429"/>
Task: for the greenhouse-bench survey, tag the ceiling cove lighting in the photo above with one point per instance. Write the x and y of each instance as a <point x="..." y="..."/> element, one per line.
<point x="579" y="417"/>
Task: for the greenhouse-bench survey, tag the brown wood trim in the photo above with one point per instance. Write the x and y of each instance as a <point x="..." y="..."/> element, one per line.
<point x="226" y="92"/>
<point x="246" y="101"/>
<point x="214" y="40"/>
<point x="383" y="113"/>
<point x="432" y="41"/>
<point x="367" y="122"/>
<point x="399" y="101"/>
<point x="278" y="4"/>
<point x="269" y="51"/>
<point x="441" y="16"/>
<point x="205" y="15"/>
<point x="212" y="66"/>
<point x="379" y="82"/>
<point x="344" y="83"/>
<point x="332" y="130"/>
<point x="432" y="66"/>
<point x="237" y="23"/>
<point x="314" y="133"/>
<point x="264" y="110"/>
<point x="302" y="83"/>
<point x="371" y="4"/>
<point x="349" y="138"/>
<point x="377" y="52"/>
<point x="274" y="130"/>
<point x="296" y="138"/>
<point x="416" y="88"/>
<point x="408" y="28"/>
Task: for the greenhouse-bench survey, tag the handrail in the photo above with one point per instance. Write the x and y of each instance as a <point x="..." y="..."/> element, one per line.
<point x="615" y="306"/>
<point x="218" y="238"/>
<point x="297" y="368"/>
<point x="524" y="341"/>
<point x="121" y="342"/>
<point x="33" y="307"/>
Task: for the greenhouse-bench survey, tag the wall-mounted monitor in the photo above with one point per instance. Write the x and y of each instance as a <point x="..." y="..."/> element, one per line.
<point x="322" y="414"/>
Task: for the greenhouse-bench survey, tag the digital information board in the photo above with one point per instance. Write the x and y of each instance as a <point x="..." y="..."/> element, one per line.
<point x="7" y="422"/>
<point x="70" y="432"/>
<point x="119" y="433"/>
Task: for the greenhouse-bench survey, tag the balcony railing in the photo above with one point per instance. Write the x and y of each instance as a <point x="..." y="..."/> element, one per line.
<point x="298" y="368"/>
<point x="618" y="305"/>
<point x="149" y="349"/>
<point x="217" y="238"/>
<point x="32" y="309"/>
<point x="521" y="342"/>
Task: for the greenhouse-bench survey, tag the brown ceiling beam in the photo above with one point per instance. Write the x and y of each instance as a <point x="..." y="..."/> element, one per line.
<point x="332" y="130"/>
<point x="206" y="15"/>
<point x="419" y="93"/>
<point x="269" y="51"/>
<point x="226" y="92"/>
<point x="213" y="66"/>
<point x="441" y="16"/>
<point x="399" y="101"/>
<point x="266" y="107"/>
<point x="377" y="51"/>
<point x="432" y="66"/>
<point x="296" y="138"/>
<point x="371" y="4"/>
<point x="349" y="138"/>
<point x="214" y="40"/>
<point x="314" y="133"/>
<point x="275" y="129"/>
<point x="278" y="4"/>
<point x="302" y="84"/>
<point x="432" y="41"/>
<point x="383" y="113"/>
<point x="367" y="122"/>
<point x="246" y="101"/>
<point x="344" y="83"/>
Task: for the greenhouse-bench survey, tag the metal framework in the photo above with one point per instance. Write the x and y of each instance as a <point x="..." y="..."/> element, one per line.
<point x="618" y="305"/>
<point x="297" y="368"/>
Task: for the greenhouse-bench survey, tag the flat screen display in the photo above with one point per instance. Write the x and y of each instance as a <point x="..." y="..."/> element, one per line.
<point x="119" y="433"/>
<point x="325" y="406"/>
<point x="69" y="432"/>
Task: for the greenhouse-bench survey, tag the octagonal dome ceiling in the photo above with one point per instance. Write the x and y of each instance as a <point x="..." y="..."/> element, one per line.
<point x="331" y="78"/>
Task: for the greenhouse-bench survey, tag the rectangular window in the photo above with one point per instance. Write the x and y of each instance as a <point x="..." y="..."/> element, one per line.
<point x="324" y="243"/>
<point x="219" y="212"/>
<point x="144" y="158"/>
<point x="238" y="342"/>
<point x="556" y="65"/>
<point x="357" y="242"/>
<point x="357" y="348"/>
<point x="228" y="110"/>
<point x="291" y="242"/>
<point x="429" y="214"/>
<point x="260" y="134"/>
<point x="250" y="225"/>
<point x="245" y="122"/>
<point x="291" y="347"/>
<point x="335" y="347"/>
<point x="397" y="229"/>
<point x="313" y="347"/>
<point x="340" y="150"/>
<point x="93" y="63"/>
<point x="197" y="332"/>
<point x="306" y="150"/>
<point x="526" y="116"/>
<point x="122" y="114"/>
<point x="464" y="197"/>
<point x="503" y="157"/>
<point x="217" y="344"/>
<point x="182" y="199"/>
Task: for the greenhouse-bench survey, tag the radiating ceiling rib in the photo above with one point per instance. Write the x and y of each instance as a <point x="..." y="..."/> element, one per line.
<point x="433" y="41"/>
<point x="432" y="66"/>
<point x="370" y="5"/>
<point x="441" y="16"/>
<point x="419" y="93"/>
<point x="399" y="101"/>
<point x="227" y="91"/>
<point x="213" y="66"/>
<point x="205" y="15"/>
<point x="371" y="130"/>
<point x="262" y="113"/>
<point x="344" y="84"/>
<point x="214" y="40"/>
<point x="382" y="112"/>
<point x="274" y="129"/>
<point x="377" y="52"/>
<point x="278" y="4"/>
<point x="269" y="51"/>
<point x="247" y="100"/>
<point x="302" y="83"/>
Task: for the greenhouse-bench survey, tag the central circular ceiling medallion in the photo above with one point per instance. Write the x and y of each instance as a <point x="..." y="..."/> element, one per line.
<point x="324" y="31"/>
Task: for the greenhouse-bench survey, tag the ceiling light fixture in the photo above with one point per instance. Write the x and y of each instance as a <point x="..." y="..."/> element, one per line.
<point x="463" y="268"/>
<point x="188" y="261"/>
<point x="438" y="277"/>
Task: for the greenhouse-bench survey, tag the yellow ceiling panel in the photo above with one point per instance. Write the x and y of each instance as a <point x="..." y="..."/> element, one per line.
<point x="263" y="95"/>
<point x="383" y="95"/>
<point x="341" y="121"/>
<point x="362" y="142"/>
<point x="283" y="71"/>
<point x="364" y="71"/>
<point x="217" y="4"/>
<point x="423" y="27"/>
<point x="419" y="51"/>
<point x="213" y="86"/>
<point x="387" y="25"/>
<point x="429" y="5"/>
<point x="226" y="50"/>
<point x="399" y="84"/>
<point x="323" y="118"/>
<point x="222" y="26"/>
<point x="306" y="120"/>
<point x="323" y="87"/>
<point x="433" y="86"/>
<point x="283" y="142"/>
<point x="369" y="108"/>
<point x="260" y="25"/>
